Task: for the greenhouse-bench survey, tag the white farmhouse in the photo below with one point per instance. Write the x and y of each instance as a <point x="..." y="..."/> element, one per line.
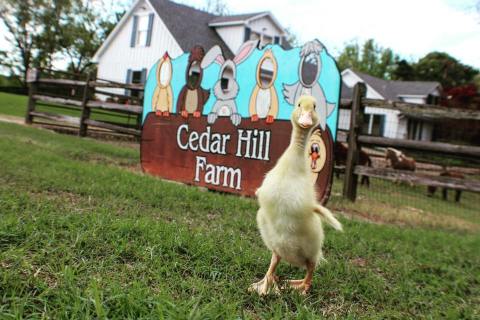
<point x="152" y="27"/>
<point x="387" y="122"/>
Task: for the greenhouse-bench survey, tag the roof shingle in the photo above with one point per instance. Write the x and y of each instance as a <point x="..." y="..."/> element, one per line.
<point x="391" y="90"/>
<point x="234" y="18"/>
<point x="189" y="26"/>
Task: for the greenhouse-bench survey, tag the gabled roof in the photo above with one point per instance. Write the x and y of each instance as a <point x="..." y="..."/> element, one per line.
<point x="392" y="90"/>
<point x="244" y="19"/>
<point x="189" y="26"/>
<point x="346" y="92"/>
<point x="240" y="18"/>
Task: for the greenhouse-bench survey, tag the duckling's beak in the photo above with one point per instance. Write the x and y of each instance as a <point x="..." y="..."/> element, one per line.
<point x="305" y="121"/>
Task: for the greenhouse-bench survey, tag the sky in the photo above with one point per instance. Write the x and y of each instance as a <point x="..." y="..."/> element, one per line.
<point x="411" y="28"/>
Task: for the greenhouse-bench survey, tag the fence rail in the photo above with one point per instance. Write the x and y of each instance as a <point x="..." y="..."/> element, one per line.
<point x="85" y="104"/>
<point x="356" y="139"/>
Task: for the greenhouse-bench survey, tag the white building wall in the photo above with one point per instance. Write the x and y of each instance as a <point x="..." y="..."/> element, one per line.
<point x="344" y="119"/>
<point x="350" y="80"/>
<point x="402" y="129"/>
<point x="118" y="56"/>
<point x="414" y="99"/>
<point x="233" y="36"/>
<point x="427" y="131"/>
<point x="266" y="26"/>
<point x="393" y="126"/>
<point x="391" y="120"/>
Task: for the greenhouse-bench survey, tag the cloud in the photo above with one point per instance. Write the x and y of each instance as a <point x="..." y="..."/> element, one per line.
<point x="411" y="28"/>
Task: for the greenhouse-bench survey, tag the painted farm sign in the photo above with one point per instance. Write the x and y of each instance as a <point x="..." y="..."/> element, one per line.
<point x="222" y="123"/>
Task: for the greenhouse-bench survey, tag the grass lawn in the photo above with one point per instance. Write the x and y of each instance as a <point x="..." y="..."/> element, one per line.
<point x="84" y="234"/>
<point x="16" y="105"/>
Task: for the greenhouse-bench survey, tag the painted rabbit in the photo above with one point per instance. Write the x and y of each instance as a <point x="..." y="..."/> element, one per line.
<point x="226" y="88"/>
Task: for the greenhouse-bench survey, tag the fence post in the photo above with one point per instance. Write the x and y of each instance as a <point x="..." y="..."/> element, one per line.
<point x="82" y="132"/>
<point x="356" y="122"/>
<point x="140" y="116"/>
<point x="32" y="81"/>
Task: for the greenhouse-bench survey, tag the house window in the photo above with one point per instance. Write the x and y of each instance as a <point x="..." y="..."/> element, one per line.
<point x="374" y="124"/>
<point x="136" y="77"/>
<point x="414" y="129"/>
<point x="254" y="36"/>
<point x="266" y="40"/>
<point x="142" y="31"/>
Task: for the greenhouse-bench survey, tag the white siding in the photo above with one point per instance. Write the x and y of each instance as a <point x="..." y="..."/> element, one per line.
<point x="402" y="128"/>
<point x="350" y="80"/>
<point x="392" y="129"/>
<point x="233" y="36"/>
<point x="344" y="119"/>
<point x="118" y="56"/>
<point x="414" y="99"/>
<point x="427" y="131"/>
<point x="391" y="120"/>
<point x="266" y="26"/>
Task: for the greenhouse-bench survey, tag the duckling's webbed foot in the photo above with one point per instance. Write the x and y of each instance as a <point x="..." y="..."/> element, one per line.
<point x="300" y="285"/>
<point x="269" y="284"/>
<point x="303" y="285"/>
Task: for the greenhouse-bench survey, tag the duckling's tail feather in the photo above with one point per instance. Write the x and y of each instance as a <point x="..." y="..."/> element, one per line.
<point x="328" y="217"/>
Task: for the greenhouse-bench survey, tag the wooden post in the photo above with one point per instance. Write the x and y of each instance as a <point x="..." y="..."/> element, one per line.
<point x="356" y="121"/>
<point x="140" y="115"/>
<point x="32" y="81"/>
<point x="82" y="132"/>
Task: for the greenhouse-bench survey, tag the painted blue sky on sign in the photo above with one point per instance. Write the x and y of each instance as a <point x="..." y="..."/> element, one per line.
<point x="288" y="73"/>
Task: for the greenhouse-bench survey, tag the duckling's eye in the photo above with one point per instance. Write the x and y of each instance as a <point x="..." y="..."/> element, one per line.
<point x="314" y="106"/>
<point x="298" y="105"/>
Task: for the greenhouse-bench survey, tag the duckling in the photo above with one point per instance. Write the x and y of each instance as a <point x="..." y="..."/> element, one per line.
<point x="289" y="217"/>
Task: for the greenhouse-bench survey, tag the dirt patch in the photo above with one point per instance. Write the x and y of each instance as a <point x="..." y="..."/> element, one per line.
<point x="381" y="213"/>
<point x="12" y="119"/>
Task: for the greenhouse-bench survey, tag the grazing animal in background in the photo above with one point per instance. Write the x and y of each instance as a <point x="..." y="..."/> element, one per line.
<point x="309" y="70"/>
<point x="162" y="100"/>
<point x="193" y="97"/>
<point x="264" y="100"/>
<point x="341" y="152"/>
<point x="226" y="88"/>
<point x="289" y="218"/>
<point x="397" y="160"/>
<point x="447" y="173"/>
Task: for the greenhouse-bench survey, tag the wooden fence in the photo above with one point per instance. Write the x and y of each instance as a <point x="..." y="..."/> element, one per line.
<point x="79" y="93"/>
<point x="356" y="139"/>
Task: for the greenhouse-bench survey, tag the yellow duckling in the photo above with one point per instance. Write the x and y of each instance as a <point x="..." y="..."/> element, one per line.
<point x="289" y="218"/>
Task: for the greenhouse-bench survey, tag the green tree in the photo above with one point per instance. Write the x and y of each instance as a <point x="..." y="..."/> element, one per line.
<point x="404" y="71"/>
<point x="217" y="7"/>
<point x="292" y="38"/>
<point x="80" y="38"/>
<point x="441" y="67"/>
<point x="41" y="31"/>
<point x="370" y="58"/>
<point x="476" y="80"/>
<point x="22" y="22"/>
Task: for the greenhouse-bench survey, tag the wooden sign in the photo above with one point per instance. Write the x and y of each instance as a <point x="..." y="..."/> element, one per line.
<point x="222" y="124"/>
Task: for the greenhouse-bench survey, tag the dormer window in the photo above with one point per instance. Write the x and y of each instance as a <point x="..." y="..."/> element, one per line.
<point x="142" y="26"/>
<point x="142" y="31"/>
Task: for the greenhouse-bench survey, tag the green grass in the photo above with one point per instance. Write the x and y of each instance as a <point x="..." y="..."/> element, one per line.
<point x="84" y="234"/>
<point x="16" y="105"/>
